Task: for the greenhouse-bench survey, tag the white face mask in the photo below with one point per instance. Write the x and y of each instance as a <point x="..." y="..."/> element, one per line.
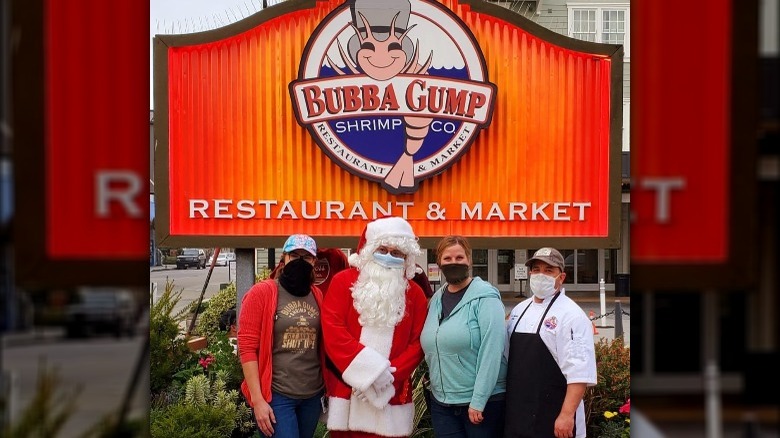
<point x="543" y="285"/>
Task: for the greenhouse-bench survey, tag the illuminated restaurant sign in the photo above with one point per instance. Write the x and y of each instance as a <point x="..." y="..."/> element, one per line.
<point x="465" y="118"/>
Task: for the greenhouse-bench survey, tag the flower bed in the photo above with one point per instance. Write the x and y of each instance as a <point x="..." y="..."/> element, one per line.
<point x="608" y="405"/>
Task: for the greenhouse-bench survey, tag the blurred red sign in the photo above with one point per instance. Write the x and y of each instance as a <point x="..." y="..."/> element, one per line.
<point x="693" y="190"/>
<point x="680" y="134"/>
<point x="81" y="139"/>
<point x="96" y="130"/>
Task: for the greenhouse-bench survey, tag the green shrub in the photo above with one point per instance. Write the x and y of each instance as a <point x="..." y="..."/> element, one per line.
<point x="422" y="418"/>
<point x="188" y="421"/>
<point x="613" y="390"/>
<point x="262" y="275"/>
<point x="167" y="348"/>
<point x="206" y="409"/>
<point x="208" y="320"/>
<point x="212" y="310"/>
<point x="217" y="358"/>
<point x="49" y="409"/>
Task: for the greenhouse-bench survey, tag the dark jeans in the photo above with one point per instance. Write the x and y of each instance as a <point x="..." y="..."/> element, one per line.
<point x="295" y="418"/>
<point x="453" y="421"/>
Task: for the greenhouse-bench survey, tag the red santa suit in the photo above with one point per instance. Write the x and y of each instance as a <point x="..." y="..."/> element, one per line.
<point x="360" y="354"/>
<point x="357" y="354"/>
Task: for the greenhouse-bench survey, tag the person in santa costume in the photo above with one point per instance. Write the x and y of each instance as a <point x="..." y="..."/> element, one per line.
<point x="372" y="317"/>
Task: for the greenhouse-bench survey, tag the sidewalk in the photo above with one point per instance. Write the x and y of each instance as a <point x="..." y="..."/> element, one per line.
<point x="37" y="335"/>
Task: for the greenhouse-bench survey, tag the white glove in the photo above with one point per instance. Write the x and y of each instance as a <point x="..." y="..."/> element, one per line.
<point x="377" y="398"/>
<point x="384" y="379"/>
<point x="360" y="394"/>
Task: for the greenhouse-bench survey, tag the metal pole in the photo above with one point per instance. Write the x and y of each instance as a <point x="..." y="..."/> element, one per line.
<point x="712" y="389"/>
<point x="618" y="319"/>
<point x="603" y="300"/>
<point x="245" y="274"/>
<point x="154" y="292"/>
<point x="202" y="293"/>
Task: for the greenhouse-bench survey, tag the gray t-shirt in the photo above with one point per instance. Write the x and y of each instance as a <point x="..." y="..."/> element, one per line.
<point x="451" y="299"/>
<point x="297" y="332"/>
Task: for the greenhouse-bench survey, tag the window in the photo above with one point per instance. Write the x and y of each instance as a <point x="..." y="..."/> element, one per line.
<point x="600" y="24"/>
<point x="506" y="265"/>
<point x="479" y="263"/>
<point x="584" y="24"/>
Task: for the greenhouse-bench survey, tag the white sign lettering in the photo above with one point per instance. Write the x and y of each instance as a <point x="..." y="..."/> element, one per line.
<point x="122" y="186"/>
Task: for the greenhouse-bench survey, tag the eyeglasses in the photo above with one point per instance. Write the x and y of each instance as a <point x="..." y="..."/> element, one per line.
<point x="308" y="257"/>
<point x="393" y="252"/>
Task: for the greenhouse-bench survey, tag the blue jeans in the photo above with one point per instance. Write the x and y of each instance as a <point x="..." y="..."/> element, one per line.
<point x="453" y="421"/>
<point x="295" y="418"/>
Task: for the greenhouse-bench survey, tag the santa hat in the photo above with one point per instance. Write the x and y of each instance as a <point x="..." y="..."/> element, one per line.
<point x="389" y="231"/>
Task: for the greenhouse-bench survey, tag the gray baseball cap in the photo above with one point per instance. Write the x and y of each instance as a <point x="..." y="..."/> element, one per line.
<point x="551" y="256"/>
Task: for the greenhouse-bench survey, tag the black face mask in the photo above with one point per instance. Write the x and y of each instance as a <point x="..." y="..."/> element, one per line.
<point x="297" y="277"/>
<point x="454" y="273"/>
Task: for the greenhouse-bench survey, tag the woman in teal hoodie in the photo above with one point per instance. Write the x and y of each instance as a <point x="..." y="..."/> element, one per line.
<point x="463" y="340"/>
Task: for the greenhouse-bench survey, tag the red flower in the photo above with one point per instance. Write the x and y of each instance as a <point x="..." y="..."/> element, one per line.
<point x="626" y="408"/>
<point x="206" y="361"/>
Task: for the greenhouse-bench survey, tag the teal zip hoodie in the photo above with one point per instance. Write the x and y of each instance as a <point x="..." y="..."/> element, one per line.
<point x="464" y="351"/>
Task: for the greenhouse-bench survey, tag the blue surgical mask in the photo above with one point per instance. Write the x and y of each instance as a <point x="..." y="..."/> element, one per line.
<point x="388" y="261"/>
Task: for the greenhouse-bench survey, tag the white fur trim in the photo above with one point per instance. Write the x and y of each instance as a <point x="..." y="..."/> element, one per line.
<point x="338" y="413"/>
<point x="389" y="226"/>
<point x="354" y="259"/>
<point x="378" y="338"/>
<point x="355" y="415"/>
<point x="365" y="368"/>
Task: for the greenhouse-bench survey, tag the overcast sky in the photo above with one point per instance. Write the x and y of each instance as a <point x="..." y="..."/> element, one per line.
<point x="188" y="16"/>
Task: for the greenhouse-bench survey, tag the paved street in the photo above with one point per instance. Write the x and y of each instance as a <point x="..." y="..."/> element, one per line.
<point x="189" y="281"/>
<point x="102" y="367"/>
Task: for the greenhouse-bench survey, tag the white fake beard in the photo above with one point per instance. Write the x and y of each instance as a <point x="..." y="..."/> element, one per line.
<point x="379" y="295"/>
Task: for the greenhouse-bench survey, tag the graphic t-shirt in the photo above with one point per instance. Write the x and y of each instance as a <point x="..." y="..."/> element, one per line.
<point x="297" y="332"/>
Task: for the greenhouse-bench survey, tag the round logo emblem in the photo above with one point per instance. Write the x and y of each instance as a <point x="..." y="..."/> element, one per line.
<point x="393" y="91"/>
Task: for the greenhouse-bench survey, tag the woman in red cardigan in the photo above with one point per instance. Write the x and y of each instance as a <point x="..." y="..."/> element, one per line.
<point x="279" y="335"/>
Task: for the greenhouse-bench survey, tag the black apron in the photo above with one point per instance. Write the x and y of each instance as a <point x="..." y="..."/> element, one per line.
<point x="535" y="388"/>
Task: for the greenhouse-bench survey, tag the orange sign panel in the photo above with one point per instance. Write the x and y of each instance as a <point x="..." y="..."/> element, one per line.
<point x="464" y="119"/>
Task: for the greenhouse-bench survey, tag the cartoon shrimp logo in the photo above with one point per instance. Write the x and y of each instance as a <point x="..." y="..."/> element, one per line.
<point x="377" y="108"/>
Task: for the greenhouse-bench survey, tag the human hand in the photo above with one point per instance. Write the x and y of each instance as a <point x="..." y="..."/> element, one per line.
<point x="475" y="416"/>
<point x="564" y="426"/>
<point x="384" y="379"/>
<point x="265" y="417"/>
